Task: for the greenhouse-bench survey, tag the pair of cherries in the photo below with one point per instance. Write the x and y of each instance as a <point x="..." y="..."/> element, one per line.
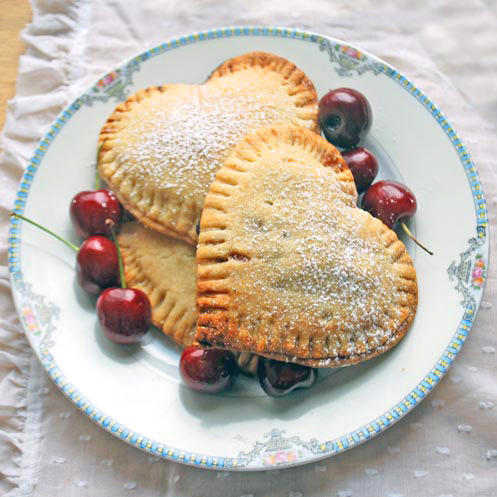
<point x="214" y="370"/>
<point x="124" y="313"/>
<point x="345" y="117"/>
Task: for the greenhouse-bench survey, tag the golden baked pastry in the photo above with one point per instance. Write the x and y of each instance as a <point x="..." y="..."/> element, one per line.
<point x="162" y="147"/>
<point x="164" y="268"/>
<point x="289" y="267"/>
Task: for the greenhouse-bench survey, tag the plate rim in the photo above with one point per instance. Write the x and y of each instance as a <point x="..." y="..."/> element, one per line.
<point x="314" y="450"/>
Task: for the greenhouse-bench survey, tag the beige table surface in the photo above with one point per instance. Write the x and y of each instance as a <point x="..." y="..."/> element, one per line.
<point x="15" y="14"/>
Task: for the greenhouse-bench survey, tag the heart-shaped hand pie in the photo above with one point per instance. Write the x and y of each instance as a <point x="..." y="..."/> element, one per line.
<point x="162" y="147"/>
<point x="289" y="267"/>
<point x="164" y="268"/>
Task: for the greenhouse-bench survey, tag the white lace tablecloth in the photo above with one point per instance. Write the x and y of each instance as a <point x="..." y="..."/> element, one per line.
<point x="446" y="447"/>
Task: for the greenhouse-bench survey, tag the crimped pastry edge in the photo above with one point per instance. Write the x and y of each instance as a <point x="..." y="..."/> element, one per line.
<point x="299" y="85"/>
<point x="106" y="161"/>
<point x="136" y="277"/>
<point x="341" y="361"/>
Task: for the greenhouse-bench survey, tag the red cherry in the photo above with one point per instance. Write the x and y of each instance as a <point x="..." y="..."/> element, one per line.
<point x="97" y="264"/>
<point x="389" y="201"/>
<point x="208" y="370"/>
<point x="90" y="210"/>
<point x="363" y="165"/>
<point x="125" y="314"/>
<point x="280" y="378"/>
<point x="345" y="117"/>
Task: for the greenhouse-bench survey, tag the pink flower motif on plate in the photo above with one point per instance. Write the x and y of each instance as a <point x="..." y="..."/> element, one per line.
<point x="478" y="273"/>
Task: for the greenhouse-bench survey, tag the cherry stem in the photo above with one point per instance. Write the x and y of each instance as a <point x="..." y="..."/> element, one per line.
<point x="68" y="243"/>
<point x="111" y="223"/>
<point x="97" y="176"/>
<point x="411" y="236"/>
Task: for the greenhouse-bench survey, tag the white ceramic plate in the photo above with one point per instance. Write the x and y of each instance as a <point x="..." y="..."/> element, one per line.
<point x="136" y="393"/>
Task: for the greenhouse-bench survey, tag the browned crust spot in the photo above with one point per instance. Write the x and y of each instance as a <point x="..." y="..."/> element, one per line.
<point x="337" y="361"/>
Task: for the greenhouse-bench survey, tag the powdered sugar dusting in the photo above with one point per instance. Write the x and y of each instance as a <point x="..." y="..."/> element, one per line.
<point x="175" y="141"/>
<point x="316" y="265"/>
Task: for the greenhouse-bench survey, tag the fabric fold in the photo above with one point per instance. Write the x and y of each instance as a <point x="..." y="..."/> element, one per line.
<point x="54" y="58"/>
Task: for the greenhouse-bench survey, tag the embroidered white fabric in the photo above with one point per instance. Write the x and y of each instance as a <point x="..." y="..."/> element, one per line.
<point x="446" y="447"/>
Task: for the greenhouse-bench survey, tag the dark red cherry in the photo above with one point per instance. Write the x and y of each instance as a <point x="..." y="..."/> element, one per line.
<point x="345" y="117"/>
<point x="97" y="265"/>
<point x="389" y="201"/>
<point x="208" y="370"/>
<point x="125" y="314"/>
<point x="363" y="165"/>
<point x="90" y="210"/>
<point x="280" y="378"/>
